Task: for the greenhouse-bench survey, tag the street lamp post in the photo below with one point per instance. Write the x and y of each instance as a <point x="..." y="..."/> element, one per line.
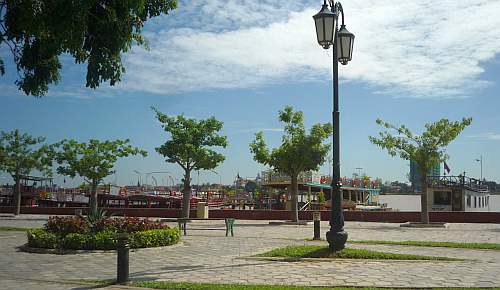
<point x="480" y="160"/>
<point x="161" y="172"/>
<point x="220" y="182"/>
<point x="341" y="40"/>
<point x="139" y="177"/>
<point x="220" y="177"/>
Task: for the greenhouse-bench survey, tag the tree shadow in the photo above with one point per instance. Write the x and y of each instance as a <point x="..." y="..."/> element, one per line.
<point x="177" y="269"/>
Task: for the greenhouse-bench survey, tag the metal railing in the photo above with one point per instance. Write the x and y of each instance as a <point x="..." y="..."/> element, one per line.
<point x="457" y="181"/>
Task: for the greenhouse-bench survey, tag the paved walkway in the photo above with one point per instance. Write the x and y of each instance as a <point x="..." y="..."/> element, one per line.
<point x="210" y="257"/>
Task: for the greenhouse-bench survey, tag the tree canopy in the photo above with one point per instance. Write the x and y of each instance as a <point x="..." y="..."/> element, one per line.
<point x="95" y="32"/>
<point x="299" y="151"/>
<point x="20" y="154"/>
<point x="191" y="146"/>
<point x="93" y="160"/>
<point x="191" y="141"/>
<point x="426" y="149"/>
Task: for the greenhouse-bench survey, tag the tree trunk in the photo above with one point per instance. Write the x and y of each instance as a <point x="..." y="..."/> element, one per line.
<point x="17" y="195"/>
<point x="93" y="196"/>
<point x="186" y="194"/>
<point x="294" y="193"/>
<point x="424" y="218"/>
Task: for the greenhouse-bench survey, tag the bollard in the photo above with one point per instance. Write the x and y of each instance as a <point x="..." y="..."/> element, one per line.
<point x="122" y="258"/>
<point x="317" y="220"/>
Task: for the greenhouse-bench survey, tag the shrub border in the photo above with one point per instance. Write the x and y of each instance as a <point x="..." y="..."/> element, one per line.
<point x="27" y="249"/>
<point x="62" y="250"/>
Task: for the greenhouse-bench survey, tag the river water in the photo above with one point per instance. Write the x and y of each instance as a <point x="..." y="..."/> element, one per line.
<point x="412" y="202"/>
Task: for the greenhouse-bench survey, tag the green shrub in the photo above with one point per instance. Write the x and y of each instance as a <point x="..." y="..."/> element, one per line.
<point x="321" y="197"/>
<point x="105" y="240"/>
<point x="75" y="241"/>
<point x="154" y="238"/>
<point x="40" y="238"/>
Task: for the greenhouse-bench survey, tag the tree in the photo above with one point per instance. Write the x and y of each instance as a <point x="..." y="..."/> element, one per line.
<point x="365" y="179"/>
<point x="426" y="150"/>
<point x="299" y="152"/>
<point x="251" y="186"/>
<point x="95" y="32"/>
<point x="92" y="161"/>
<point x="20" y="154"/>
<point x="191" y="147"/>
<point x="396" y="186"/>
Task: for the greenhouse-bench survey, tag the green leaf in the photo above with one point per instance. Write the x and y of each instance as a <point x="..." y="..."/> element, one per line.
<point x="93" y="160"/>
<point x="93" y="32"/>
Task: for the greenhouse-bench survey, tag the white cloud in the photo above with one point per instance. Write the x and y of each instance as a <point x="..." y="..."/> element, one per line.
<point x="493" y="136"/>
<point x="426" y="49"/>
<point x="486" y="136"/>
<point x="71" y="92"/>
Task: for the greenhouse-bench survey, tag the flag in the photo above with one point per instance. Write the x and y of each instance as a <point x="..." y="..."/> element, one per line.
<point x="446" y="167"/>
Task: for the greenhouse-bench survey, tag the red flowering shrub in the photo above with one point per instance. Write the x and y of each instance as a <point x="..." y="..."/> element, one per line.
<point x="65" y="225"/>
<point x="75" y="224"/>
<point x="132" y="224"/>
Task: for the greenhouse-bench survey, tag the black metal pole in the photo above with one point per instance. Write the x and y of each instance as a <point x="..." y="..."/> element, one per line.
<point x="336" y="236"/>
<point x="317" y="225"/>
<point x="122" y="265"/>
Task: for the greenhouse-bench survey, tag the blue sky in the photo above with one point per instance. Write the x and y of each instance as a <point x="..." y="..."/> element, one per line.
<point x="243" y="61"/>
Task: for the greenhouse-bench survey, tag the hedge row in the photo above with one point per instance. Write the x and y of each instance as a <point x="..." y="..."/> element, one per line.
<point x="104" y="240"/>
<point x="62" y="226"/>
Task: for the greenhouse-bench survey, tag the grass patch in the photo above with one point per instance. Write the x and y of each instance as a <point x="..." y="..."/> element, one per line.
<point x="348" y="253"/>
<point x="207" y="286"/>
<point x="203" y="286"/>
<point x="481" y="246"/>
<point x="100" y="283"/>
<point x="13" y="229"/>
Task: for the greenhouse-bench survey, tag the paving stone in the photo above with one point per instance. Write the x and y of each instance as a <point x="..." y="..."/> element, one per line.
<point x="207" y="256"/>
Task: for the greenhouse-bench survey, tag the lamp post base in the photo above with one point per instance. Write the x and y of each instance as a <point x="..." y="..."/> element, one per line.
<point x="336" y="240"/>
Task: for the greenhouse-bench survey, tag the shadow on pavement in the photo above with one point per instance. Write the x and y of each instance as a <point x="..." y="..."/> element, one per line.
<point x="174" y="269"/>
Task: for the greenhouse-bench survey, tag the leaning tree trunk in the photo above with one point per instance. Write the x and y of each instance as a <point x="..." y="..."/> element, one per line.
<point x="424" y="218"/>
<point x="93" y="196"/>
<point x="186" y="194"/>
<point x="17" y="195"/>
<point x="294" y="191"/>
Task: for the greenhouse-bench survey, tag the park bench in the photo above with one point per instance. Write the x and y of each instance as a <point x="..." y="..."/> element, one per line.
<point x="182" y="223"/>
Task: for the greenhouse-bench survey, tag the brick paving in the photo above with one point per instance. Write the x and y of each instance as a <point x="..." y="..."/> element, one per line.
<point x="210" y="257"/>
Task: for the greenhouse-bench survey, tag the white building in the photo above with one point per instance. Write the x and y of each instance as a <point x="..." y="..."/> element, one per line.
<point x="457" y="193"/>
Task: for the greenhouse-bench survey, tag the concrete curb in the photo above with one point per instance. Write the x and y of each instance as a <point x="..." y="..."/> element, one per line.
<point x="432" y="225"/>
<point x="25" y="248"/>
<point x="290" y="223"/>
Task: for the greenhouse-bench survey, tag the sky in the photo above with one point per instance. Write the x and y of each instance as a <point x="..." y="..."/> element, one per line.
<point x="241" y="61"/>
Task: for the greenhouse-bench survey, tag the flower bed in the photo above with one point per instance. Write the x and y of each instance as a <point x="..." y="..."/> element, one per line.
<point x="79" y="233"/>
